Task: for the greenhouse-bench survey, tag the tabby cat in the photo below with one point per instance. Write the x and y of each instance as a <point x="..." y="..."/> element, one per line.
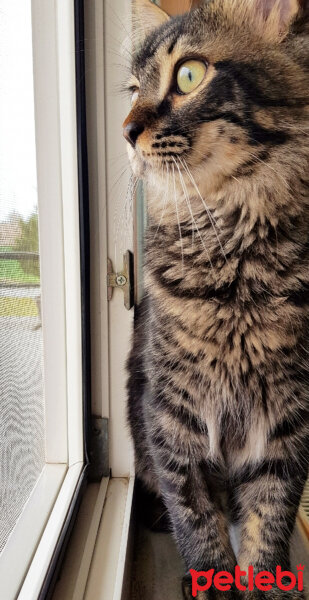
<point x="218" y="373"/>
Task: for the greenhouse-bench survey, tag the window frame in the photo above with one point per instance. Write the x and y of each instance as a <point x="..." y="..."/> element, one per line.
<point x="115" y="322"/>
<point x="30" y="558"/>
<point x="109" y="26"/>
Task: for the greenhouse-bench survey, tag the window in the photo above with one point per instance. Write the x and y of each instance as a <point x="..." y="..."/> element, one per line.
<point x="22" y="428"/>
<point x="41" y="361"/>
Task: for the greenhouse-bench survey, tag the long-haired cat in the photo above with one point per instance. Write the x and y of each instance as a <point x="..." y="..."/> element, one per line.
<point x="218" y="372"/>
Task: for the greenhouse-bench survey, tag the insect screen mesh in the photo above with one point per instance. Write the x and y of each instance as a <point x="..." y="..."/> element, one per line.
<point x="21" y="380"/>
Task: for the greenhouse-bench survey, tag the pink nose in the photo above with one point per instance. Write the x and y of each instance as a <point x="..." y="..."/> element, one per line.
<point x="132" y="131"/>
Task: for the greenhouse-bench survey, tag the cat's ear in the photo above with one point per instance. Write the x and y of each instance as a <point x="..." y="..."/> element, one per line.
<point x="279" y="14"/>
<point x="146" y="17"/>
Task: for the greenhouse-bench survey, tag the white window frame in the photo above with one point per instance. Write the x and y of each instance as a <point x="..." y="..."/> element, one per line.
<point x="97" y="570"/>
<point x="107" y="31"/>
<point x="29" y="550"/>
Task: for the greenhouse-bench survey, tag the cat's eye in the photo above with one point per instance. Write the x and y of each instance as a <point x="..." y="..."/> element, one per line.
<point x="190" y="75"/>
<point x="134" y="96"/>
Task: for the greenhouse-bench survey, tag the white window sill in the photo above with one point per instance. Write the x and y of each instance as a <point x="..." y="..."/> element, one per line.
<point x="94" y="566"/>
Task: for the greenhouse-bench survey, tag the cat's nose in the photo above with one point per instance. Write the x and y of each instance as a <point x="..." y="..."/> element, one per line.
<point x="132" y="131"/>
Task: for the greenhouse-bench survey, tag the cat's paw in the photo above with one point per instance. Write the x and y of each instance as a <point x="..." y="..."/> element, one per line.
<point x="187" y="591"/>
<point x="211" y="594"/>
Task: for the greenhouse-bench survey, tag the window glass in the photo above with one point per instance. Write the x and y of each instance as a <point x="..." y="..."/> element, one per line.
<point x="21" y="382"/>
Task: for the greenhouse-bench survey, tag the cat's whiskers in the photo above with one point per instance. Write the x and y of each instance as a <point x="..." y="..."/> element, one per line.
<point x="211" y="218"/>
<point x="129" y="34"/>
<point x="187" y="199"/>
<point x="118" y="208"/>
<point x="122" y="221"/>
<point x="186" y="196"/>
<point x="114" y="159"/>
<point x="165" y="196"/>
<point x="119" y="174"/>
<point x="124" y="217"/>
<point x="178" y="220"/>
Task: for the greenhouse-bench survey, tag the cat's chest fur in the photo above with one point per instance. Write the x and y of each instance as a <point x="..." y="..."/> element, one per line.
<point x="231" y="310"/>
<point x="221" y="326"/>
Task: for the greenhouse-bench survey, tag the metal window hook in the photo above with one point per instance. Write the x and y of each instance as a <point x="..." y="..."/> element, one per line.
<point x="124" y="279"/>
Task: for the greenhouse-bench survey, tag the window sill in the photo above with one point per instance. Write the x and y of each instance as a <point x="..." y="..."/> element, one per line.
<point x="94" y="566"/>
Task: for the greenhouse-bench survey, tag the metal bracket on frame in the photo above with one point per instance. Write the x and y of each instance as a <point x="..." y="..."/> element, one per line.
<point x="98" y="452"/>
<point x="123" y="279"/>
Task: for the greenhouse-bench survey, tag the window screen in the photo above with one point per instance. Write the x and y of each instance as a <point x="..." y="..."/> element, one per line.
<point x="21" y="382"/>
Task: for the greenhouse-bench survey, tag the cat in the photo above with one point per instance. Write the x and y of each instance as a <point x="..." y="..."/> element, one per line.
<point x="218" y="385"/>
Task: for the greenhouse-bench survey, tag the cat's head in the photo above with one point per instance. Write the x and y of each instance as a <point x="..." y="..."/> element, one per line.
<point x="217" y="90"/>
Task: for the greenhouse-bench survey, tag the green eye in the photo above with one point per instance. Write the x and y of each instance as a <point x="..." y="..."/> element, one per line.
<point x="190" y="75"/>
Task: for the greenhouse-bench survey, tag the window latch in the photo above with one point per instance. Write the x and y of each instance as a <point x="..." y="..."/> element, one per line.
<point x="123" y="279"/>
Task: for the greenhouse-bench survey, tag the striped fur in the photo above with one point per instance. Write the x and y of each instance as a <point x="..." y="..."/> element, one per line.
<point x="218" y="373"/>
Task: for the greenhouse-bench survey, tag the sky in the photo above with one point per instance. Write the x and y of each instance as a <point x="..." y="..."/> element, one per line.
<point x="18" y="185"/>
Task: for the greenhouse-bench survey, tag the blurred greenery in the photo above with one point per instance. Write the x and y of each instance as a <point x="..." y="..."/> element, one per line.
<point x="29" y="242"/>
<point x="25" y="271"/>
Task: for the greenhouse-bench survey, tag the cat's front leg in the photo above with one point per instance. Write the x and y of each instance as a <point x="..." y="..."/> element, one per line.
<point x="267" y="499"/>
<point x="198" y="523"/>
